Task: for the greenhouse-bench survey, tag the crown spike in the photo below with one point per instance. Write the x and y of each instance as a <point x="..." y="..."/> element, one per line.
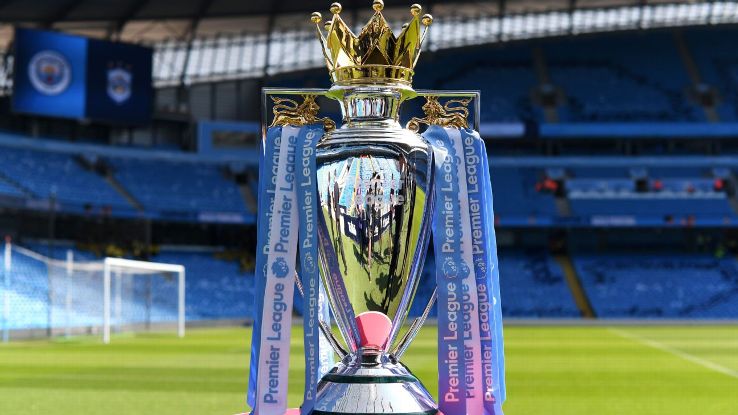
<point x="376" y="56"/>
<point x="316" y="18"/>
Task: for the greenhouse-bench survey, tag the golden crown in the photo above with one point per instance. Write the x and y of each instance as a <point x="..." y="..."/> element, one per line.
<point x="376" y="56"/>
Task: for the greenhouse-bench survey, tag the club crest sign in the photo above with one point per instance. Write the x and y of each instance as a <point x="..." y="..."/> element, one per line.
<point x="119" y="84"/>
<point x="49" y="72"/>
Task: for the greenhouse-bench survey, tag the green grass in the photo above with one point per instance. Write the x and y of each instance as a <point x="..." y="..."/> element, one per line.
<point x="551" y="371"/>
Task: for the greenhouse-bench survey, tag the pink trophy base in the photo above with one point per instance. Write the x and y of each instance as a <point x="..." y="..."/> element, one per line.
<point x="374" y="329"/>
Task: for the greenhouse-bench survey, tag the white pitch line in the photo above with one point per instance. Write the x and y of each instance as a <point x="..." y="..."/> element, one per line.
<point x="676" y="352"/>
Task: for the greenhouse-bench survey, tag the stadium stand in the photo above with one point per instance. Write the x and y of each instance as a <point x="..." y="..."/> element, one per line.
<point x="45" y="175"/>
<point x="517" y="188"/>
<point x="659" y="285"/>
<point x="603" y="78"/>
<point x="160" y="187"/>
<point x="8" y="189"/>
<point x="169" y="186"/>
<point x="622" y="77"/>
<point x="186" y="190"/>
<point x="532" y="285"/>
<point x="717" y="66"/>
<point x="507" y="90"/>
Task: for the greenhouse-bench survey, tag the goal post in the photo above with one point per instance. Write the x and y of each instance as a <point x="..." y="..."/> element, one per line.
<point x="121" y="267"/>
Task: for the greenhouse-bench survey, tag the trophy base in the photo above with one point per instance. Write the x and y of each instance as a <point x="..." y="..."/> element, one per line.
<point x="371" y="385"/>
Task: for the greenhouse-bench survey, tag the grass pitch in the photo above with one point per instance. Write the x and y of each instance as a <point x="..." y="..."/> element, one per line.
<point x="551" y="371"/>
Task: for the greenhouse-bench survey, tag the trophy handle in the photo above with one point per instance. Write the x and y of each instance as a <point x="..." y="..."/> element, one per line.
<point x="404" y="343"/>
<point x="267" y="93"/>
<point x="340" y="351"/>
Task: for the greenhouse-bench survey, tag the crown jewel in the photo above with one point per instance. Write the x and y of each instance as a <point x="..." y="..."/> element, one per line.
<point x="376" y="56"/>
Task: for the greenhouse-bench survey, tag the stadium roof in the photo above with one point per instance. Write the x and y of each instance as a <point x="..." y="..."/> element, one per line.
<point x="52" y="11"/>
<point x="152" y="21"/>
<point x="48" y="13"/>
<point x="199" y="40"/>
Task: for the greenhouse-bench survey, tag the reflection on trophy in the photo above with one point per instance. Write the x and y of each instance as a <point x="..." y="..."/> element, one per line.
<point x="375" y="183"/>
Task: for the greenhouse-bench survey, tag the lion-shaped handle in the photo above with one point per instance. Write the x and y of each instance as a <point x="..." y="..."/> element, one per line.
<point x="453" y="114"/>
<point x="289" y="112"/>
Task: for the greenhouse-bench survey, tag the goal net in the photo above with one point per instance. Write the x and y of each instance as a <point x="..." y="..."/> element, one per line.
<point x="72" y="295"/>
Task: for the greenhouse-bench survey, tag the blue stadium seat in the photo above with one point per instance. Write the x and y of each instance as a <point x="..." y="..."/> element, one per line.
<point x="45" y="174"/>
<point x="9" y="189"/>
<point x="506" y="90"/>
<point x="516" y="195"/>
<point x="532" y="284"/>
<point x="618" y="78"/>
<point x="178" y="186"/>
<point x="647" y="285"/>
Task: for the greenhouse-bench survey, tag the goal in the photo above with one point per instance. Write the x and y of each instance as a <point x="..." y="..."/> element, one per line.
<point x="78" y="295"/>
<point x="123" y="271"/>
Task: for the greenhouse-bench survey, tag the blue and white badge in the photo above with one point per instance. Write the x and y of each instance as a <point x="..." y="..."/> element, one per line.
<point x="49" y="72"/>
<point x="119" y="84"/>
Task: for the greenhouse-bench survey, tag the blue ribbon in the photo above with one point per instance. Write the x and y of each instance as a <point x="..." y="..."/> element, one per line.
<point x="267" y="164"/>
<point x="485" y="267"/>
<point x="307" y="197"/>
<point x="450" y="273"/>
<point x="493" y="276"/>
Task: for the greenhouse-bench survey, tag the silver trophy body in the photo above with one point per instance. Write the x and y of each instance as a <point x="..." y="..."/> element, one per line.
<point x="374" y="182"/>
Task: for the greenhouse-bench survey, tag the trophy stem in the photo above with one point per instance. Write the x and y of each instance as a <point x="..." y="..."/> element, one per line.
<point x="363" y="104"/>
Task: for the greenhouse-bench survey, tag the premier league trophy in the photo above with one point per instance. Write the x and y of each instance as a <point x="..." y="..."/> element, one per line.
<point x="374" y="181"/>
<point x="362" y="196"/>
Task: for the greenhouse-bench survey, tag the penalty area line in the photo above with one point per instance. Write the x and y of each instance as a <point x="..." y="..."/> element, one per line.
<point x="676" y="352"/>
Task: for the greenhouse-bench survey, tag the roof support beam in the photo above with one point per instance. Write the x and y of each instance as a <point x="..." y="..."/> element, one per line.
<point x="190" y="36"/>
<point x="117" y="27"/>
<point x="59" y="13"/>
<point x="501" y="11"/>
<point x="641" y="11"/>
<point x="572" y="9"/>
<point x="269" y="37"/>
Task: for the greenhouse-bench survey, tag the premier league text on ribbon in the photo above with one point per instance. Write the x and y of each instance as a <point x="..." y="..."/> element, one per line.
<point x="308" y="249"/>
<point x="473" y="164"/>
<point x="279" y="288"/>
<point x="447" y="212"/>
<point x="472" y="346"/>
